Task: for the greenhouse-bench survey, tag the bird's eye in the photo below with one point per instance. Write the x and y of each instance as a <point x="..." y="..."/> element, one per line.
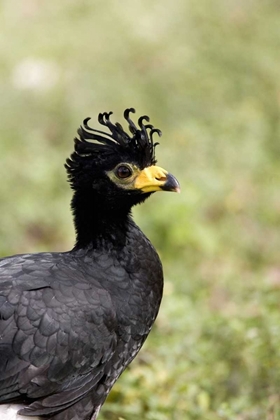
<point x="123" y="171"/>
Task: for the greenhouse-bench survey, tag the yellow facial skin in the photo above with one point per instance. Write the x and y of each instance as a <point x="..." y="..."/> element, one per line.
<point x="150" y="179"/>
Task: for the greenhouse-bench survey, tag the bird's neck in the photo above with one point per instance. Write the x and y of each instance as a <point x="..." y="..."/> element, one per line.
<point x="98" y="220"/>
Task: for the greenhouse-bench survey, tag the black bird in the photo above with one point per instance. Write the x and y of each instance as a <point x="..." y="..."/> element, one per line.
<point x="70" y="322"/>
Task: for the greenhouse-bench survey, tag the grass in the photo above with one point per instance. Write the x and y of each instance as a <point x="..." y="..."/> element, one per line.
<point x="208" y="75"/>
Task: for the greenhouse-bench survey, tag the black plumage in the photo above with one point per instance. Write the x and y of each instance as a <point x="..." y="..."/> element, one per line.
<point x="71" y="322"/>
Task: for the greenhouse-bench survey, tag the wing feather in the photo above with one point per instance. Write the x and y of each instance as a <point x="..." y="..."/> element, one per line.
<point x="58" y="331"/>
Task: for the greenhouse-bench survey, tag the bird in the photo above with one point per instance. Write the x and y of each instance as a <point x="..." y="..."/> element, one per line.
<point x="71" y="322"/>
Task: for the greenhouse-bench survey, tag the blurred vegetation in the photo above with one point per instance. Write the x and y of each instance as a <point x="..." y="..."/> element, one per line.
<point x="207" y="72"/>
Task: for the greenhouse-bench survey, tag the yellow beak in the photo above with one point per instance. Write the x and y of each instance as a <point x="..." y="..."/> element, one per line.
<point x="155" y="178"/>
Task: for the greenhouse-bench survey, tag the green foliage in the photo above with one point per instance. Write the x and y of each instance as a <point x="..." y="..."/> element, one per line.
<point x="207" y="72"/>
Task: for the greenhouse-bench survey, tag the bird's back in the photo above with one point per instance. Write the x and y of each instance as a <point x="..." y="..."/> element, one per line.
<point x="71" y="322"/>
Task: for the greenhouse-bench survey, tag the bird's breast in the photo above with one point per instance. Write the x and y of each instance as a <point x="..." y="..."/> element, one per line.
<point x="9" y="412"/>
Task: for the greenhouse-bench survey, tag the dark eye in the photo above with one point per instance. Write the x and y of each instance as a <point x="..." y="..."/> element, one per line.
<point x="123" y="171"/>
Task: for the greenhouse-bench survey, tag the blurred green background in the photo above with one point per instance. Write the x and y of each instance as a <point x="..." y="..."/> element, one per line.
<point x="207" y="72"/>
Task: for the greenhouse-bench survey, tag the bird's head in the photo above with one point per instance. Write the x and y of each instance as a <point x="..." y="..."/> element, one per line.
<point x="118" y="165"/>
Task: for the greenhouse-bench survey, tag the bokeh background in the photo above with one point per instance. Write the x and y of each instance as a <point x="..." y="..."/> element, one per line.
<point x="207" y="72"/>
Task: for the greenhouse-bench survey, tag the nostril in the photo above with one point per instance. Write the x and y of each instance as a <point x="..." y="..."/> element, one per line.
<point x="161" y="178"/>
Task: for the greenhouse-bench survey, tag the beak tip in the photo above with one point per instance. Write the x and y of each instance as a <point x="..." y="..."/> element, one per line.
<point x="171" y="184"/>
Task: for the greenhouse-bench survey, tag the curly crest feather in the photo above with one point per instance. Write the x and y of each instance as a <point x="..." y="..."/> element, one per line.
<point x="93" y="144"/>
